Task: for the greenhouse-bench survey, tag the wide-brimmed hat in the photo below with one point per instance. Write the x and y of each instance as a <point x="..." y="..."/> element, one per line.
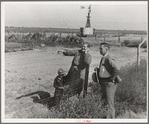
<point x="61" y="71"/>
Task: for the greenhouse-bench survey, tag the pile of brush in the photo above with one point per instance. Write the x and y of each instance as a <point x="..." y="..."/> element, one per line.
<point x="68" y="40"/>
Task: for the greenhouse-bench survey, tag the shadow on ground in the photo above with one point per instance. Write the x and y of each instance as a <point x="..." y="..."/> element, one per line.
<point x="38" y="97"/>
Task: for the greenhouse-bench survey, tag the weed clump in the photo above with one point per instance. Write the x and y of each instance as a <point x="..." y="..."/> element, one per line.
<point x="131" y="93"/>
<point x="130" y="96"/>
<point x="89" y="107"/>
<point x="133" y="87"/>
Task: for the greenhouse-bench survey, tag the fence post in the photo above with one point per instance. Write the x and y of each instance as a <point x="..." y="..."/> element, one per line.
<point x="119" y="39"/>
<point x="138" y="55"/>
<point x="138" y="52"/>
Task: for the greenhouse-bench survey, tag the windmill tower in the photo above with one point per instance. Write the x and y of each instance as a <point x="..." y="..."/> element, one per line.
<point x="88" y="24"/>
<point x="87" y="30"/>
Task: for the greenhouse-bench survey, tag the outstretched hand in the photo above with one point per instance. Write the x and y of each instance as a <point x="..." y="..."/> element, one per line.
<point x="59" y="52"/>
<point x="62" y="88"/>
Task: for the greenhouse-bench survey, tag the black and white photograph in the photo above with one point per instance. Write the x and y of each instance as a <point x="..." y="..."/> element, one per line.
<point x="74" y="61"/>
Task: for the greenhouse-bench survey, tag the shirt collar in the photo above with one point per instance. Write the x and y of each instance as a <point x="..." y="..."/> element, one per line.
<point x="105" y="55"/>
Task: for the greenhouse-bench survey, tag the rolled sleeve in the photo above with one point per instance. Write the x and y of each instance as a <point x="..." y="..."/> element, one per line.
<point x="69" y="52"/>
<point x="87" y="58"/>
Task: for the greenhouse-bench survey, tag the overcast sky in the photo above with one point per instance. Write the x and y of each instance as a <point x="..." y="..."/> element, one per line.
<point x="104" y="15"/>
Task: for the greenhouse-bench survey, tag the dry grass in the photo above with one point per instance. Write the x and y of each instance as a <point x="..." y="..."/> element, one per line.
<point x="132" y="92"/>
<point x="14" y="47"/>
<point x="131" y="97"/>
<point x="127" y="114"/>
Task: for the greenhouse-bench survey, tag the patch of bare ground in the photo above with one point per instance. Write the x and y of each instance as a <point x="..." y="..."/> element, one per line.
<point x="28" y="72"/>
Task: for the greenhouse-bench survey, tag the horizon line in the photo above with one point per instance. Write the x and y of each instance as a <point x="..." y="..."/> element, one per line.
<point x="73" y="28"/>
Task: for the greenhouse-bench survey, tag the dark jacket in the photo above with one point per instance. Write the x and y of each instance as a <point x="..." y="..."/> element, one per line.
<point x="79" y="68"/>
<point x="59" y="82"/>
<point x="79" y="60"/>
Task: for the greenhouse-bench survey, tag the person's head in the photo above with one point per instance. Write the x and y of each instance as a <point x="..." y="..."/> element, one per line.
<point x="61" y="72"/>
<point x="104" y="48"/>
<point x="85" y="47"/>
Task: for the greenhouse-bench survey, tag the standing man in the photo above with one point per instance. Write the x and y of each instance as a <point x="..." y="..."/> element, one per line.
<point x="107" y="73"/>
<point x="80" y="65"/>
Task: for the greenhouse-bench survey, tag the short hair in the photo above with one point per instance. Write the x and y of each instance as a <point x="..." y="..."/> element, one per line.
<point x="105" y="45"/>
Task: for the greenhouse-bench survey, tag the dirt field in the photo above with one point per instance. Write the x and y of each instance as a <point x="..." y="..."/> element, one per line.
<point x="31" y="71"/>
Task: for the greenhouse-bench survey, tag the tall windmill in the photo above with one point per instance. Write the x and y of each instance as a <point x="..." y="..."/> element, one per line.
<point x="88" y="24"/>
<point x="87" y="30"/>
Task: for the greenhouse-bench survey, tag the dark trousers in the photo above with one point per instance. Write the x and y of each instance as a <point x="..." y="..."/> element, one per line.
<point x="108" y="89"/>
<point x="76" y="74"/>
<point x="58" y="95"/>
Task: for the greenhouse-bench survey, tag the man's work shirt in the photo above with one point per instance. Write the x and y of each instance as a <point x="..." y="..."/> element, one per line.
<point x="79" y="60"/>
<point x="103" y="73"/>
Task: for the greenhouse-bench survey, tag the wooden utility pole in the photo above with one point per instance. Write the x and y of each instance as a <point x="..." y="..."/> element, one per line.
<point x="138" y="52"/>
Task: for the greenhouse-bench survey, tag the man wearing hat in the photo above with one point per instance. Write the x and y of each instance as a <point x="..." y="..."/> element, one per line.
<point x="107" y="73"/>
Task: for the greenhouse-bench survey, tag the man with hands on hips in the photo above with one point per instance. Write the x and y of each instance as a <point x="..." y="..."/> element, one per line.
<point x="107" y="74"/>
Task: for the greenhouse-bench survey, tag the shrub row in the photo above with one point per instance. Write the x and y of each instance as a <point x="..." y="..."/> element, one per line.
<point x="134" y="43"/>
<point x="53" y="40"/>
<point x="69" y="40"/>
